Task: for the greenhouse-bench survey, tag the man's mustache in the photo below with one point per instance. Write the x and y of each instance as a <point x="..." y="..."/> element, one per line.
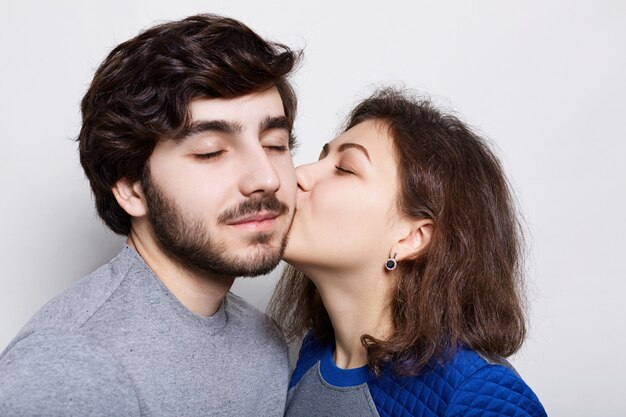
<point x="253" y="206"/>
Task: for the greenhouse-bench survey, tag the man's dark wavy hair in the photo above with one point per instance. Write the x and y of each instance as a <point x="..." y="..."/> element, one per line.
<point x="142" y="90"/>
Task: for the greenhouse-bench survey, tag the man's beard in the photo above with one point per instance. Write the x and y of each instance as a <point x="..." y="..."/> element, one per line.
<point x="186" y="239"/>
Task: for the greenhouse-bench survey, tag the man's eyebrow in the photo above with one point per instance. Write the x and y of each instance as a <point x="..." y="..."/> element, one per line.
<point x="349" y="145"/>
<point x="275" y="122"/>
<point x="221" y="126"/>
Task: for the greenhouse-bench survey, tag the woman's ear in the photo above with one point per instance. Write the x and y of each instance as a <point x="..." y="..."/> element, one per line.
<point x="129" y="196"/>
<point x="415" y="240"/>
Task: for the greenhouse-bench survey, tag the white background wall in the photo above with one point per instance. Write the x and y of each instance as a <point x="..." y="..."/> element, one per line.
<point x="544" y="79"/>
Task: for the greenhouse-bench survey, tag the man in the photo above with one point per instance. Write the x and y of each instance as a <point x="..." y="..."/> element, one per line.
<point x="185" y="140"/>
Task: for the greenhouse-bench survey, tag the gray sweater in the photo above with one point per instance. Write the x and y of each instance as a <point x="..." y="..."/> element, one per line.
<point x="118" y="343"/>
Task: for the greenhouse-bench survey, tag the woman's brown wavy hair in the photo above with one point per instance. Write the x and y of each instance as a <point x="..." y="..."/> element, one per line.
<point x="466" y="287"/>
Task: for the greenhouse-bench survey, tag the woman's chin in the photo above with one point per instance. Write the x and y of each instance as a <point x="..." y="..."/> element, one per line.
<point x="294" y="256"/>
<point x="291" y="254"/>
<point x="296" y="247"/>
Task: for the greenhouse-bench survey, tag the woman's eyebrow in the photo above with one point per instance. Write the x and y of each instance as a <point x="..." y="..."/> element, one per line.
<point x="361" y="148"/>
<point x="325" y="150"/>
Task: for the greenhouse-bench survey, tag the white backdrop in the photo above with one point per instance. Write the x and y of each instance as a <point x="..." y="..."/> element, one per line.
<point x="544" y="79"/>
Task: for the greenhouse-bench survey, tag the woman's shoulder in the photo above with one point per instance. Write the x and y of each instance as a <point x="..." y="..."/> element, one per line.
<point x="311" y="352"/>
<point x="465" y="384"/>
<point x="490" y="384"/>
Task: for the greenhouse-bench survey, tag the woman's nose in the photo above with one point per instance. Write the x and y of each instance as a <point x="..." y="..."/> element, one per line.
<point x="305" y="177"/>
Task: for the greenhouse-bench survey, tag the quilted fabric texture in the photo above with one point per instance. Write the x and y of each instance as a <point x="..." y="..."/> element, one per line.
<point x="467" y="385"/>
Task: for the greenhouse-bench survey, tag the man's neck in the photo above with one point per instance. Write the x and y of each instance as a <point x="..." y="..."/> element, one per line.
<point x="202" y="294"/>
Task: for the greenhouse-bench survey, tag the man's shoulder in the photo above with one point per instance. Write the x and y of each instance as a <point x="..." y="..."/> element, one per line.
<point x="56" y="345"/>
<point x="63" y="373"/>
<point x="243" y="313"/>
<point x="69" y="310"/>
<point x="253" y="323"/>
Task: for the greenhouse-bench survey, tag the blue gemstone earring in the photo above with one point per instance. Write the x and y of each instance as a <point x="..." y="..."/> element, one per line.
<point x="391" y="263"/>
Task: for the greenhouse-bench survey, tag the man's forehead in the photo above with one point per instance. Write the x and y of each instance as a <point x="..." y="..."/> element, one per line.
<point x="252" y="106"/>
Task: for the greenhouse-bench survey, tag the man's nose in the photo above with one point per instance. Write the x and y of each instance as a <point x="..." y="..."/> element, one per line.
<point x="259" y="174"/>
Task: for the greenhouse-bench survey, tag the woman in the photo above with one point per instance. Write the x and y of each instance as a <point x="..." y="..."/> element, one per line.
<point x="405" y="272"/>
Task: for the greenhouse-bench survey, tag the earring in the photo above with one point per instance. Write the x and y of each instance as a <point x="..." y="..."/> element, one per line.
<point x="391" y="263"/>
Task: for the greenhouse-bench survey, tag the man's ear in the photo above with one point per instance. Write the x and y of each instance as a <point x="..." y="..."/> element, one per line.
<point x="414" y="241"/>
<point x="129" y="196"/>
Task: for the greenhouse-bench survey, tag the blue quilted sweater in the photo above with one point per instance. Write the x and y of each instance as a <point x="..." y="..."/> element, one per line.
<point x="467" y="385"/>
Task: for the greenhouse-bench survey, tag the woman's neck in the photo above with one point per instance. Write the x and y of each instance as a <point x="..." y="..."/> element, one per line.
<point x="356" y="305"/>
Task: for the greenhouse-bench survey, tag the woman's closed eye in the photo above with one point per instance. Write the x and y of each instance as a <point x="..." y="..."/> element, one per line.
<point x="342" y="170"/>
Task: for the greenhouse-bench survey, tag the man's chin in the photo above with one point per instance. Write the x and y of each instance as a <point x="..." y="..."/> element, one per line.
<point x="259" y="258"/>
<point x="259" y="265"/>
<point x="267" y="239"/>
<point x="266" y="254"/>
